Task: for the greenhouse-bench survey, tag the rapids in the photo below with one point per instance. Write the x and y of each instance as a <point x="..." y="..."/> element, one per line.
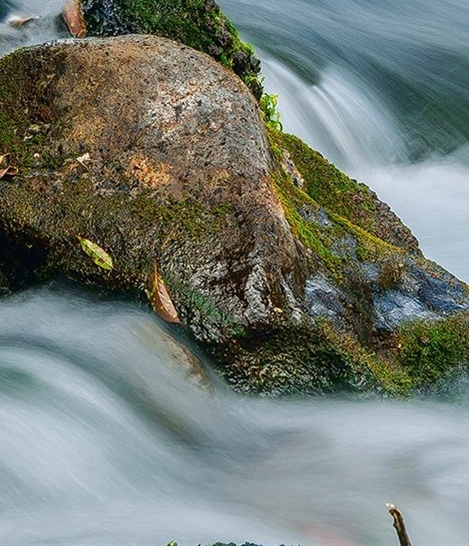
<point x="102" y="439"/>
<point x="104" y="442"/>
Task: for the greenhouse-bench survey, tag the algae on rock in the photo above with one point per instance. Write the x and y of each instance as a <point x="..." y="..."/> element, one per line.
<point x="295" y="277"/>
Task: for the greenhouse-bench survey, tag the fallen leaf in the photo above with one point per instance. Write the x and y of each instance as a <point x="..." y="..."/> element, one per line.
<point x="96" y="253"/>
<point x="73" y="17"/>
<point x="160" y="299"/>
<point x="3" y="157"/>
<point x="8" y="171"/>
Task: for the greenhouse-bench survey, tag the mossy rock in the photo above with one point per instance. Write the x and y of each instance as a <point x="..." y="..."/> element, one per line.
<point x="432" y="351"/>
<point x="199" y="24"/>
<point x="291" y="283"/>
<point x="178" y="171"/>
<point x="343" y="196"/>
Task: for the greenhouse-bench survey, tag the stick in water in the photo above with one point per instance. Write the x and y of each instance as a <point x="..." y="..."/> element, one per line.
<point x="399" y="525"/>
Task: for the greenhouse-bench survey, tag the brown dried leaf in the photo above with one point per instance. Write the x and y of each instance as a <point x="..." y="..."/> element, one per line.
<point x="3" y="157"/>
<point x="160" y="299"/>
<point x="73" y="17"/>
<point x="8" y="171"/>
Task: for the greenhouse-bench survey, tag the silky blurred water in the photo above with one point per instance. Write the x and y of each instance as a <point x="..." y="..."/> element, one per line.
<point x="102" y="438"/>
<point x="381" y="89"/>
<point x="103" y="441"/>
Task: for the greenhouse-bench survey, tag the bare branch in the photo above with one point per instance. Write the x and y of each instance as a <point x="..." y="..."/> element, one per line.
<point x="399" y="525"/>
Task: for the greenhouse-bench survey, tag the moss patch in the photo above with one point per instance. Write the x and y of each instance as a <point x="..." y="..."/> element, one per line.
<point x="343" y="196"/>
<point x="319" y="364"/>
<point x="431" y="351"/>
<point x="200" y="24"/>
<point x="24" y="124"/>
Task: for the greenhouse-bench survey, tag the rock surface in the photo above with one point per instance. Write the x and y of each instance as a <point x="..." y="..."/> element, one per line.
<point x="294" y="276"/>
<point x="199" y="24"/>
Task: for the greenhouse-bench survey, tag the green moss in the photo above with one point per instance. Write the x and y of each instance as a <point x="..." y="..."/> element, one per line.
<point x="114" y="222"/>
<point x="300" y="204"/>
<point x="325" y="183"/>
<point x="431" y="351"/>
<point x="370" y="248"/>
<point x="326" y="360"/>
<point x="352" y="202"/>
<point x="309" y="233"/>
<point x="389" y="378"/>
<point x="199" y="24"/>
<point x="27" y="88"/>
<point x="320" y="364"/>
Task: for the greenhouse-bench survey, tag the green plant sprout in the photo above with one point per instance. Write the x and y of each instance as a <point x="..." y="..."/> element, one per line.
<point x="268" y="104"/>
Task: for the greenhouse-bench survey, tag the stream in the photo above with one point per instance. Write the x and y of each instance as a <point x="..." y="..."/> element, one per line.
<point x="103" y="441"/>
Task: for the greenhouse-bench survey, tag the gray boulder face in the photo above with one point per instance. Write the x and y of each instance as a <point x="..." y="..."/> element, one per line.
<point x="295" y="277"/>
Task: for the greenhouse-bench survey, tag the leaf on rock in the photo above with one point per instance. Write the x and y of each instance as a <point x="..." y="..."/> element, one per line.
<point x="96" y="253"/>
<point x="8" y="171"/>
<point x="160" y="299"/>
<point x="73" y="17"/>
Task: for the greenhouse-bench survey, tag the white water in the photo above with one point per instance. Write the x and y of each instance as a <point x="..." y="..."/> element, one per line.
<point x="103" y="442"/>
<point x="380" y="88"/>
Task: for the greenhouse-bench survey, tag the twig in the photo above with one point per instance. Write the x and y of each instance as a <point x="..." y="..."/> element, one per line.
<point x="399" y="525"/>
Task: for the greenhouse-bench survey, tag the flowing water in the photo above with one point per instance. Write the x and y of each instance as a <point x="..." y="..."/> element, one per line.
<point x="381" y="88"/>
<point x="103" y="441"/>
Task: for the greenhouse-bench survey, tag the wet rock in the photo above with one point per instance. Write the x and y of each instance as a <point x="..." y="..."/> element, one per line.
<point x="392" y="308"/>
<point x="177" y="168"/>
<point x="199" y="24"/>
<point x="293" y="276"/>
<point x="324" y="299"/>
<point x="441" y="294"/>
<point x="319" y="216"/>
<point x="418" y="295"/>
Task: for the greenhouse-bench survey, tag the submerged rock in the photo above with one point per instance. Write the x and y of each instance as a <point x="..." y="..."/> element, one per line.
<point x="154" y="151"/>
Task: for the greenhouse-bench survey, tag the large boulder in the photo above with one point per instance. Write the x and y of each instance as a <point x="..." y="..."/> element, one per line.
<point x="295" y="277"/>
